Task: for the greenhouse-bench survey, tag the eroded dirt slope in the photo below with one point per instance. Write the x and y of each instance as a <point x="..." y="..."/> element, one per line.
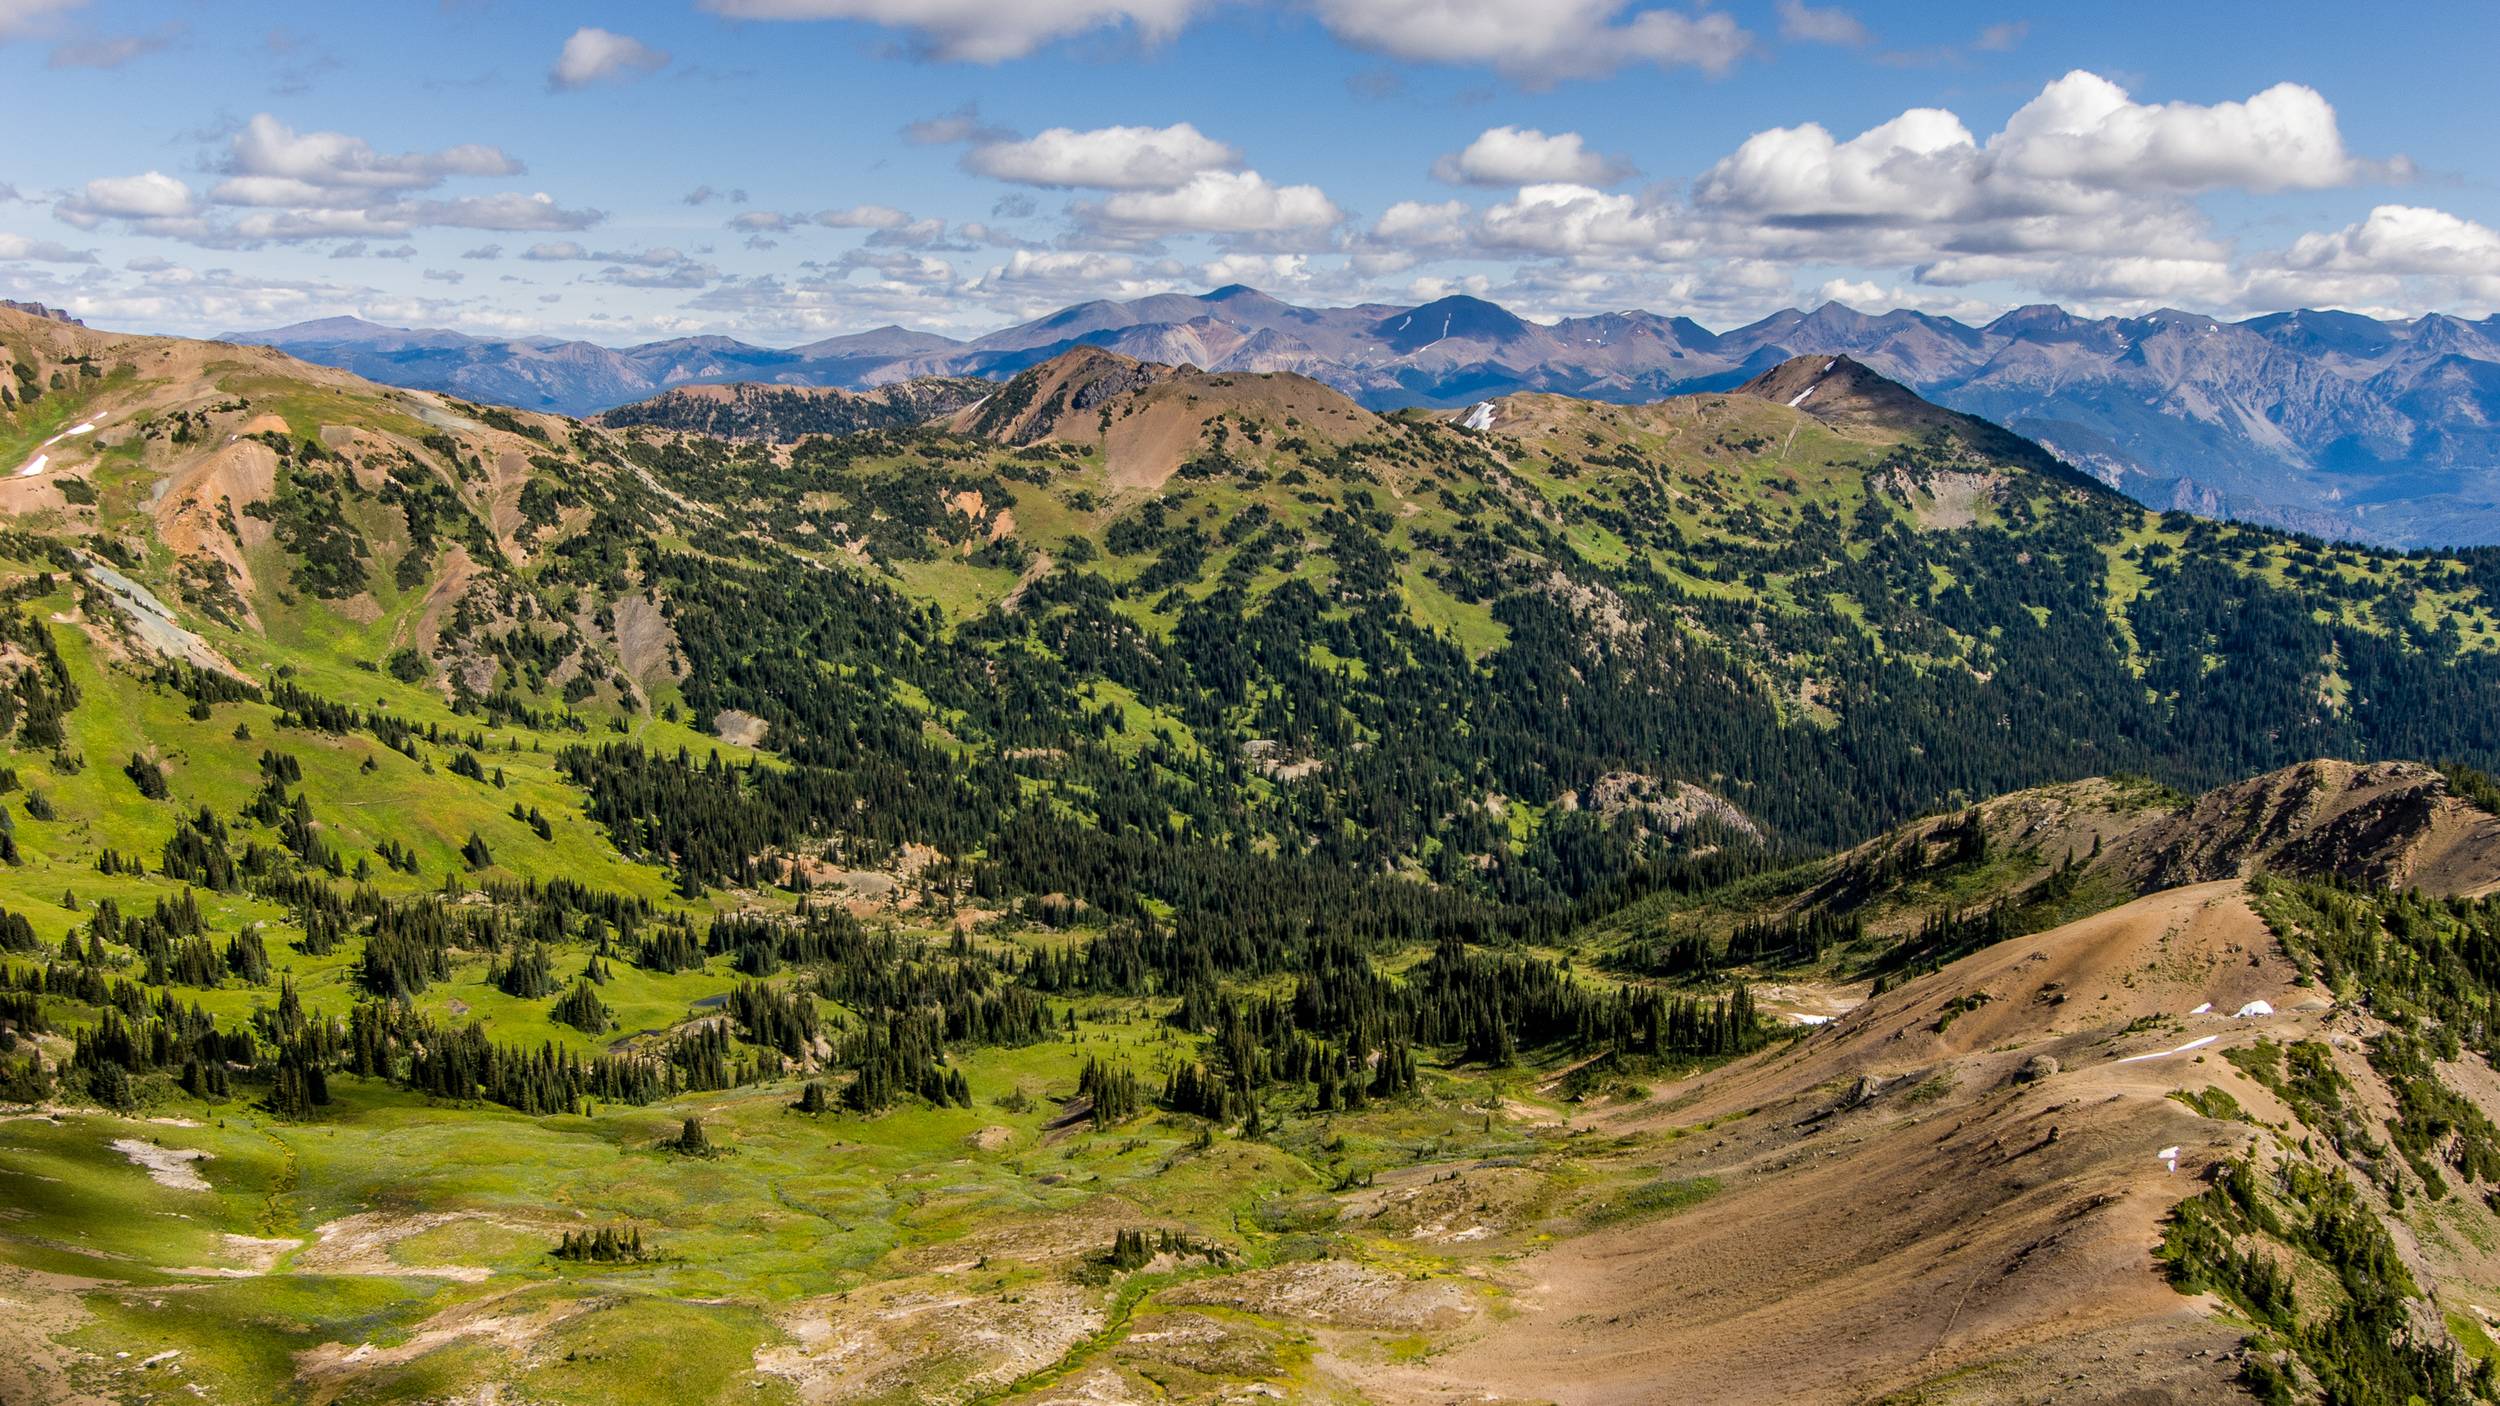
<point x="1904" y="1204"/>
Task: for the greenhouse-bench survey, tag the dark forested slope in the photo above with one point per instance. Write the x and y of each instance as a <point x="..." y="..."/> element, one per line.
<point x="1418" y="648"/>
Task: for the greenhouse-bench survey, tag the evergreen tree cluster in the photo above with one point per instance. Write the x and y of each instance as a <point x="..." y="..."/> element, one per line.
<point x="670" y="947"/>
<point x="1110" y="1091"/>
<point x="1135" y="1249"/>
<point x="900" y="1057"/>
<point x="1658" y="949"/>
<point x="527" y="975"/>
<point x="1946" y="934"/>
<point x="146" y="775"/>
<point x="1349" y="1034"/>
<point x="464" y="1064"/>
<point x="582" y="1009"/>
<point x="408" y="945"/>
<point x="775" y="1018"/>
<point x="135" y="1035"/>
<point x="1797" y="937"/>
<point x="40" y="695"/>
<point x="1130" y="1250"/>
<point x="602" y="1246"/>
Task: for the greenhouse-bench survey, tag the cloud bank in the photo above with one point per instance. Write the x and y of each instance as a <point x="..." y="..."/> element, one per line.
<point x="276" y="184"/>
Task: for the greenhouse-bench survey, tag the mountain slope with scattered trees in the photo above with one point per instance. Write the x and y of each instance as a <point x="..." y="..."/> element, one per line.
<point x="1171" y="800"/>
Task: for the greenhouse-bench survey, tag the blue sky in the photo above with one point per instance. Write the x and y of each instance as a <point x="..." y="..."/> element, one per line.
<point x="784" y="170"/>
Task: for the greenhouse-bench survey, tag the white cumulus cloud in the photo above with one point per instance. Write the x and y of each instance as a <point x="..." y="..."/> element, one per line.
<point x="1107" y="158"/>
<point x="596" y="56"/>
<point x="1213" y="202"/>
<point x="1578" y="222"/>
<point x="1537" y="41"/>
<point x="1161" y="181"/>
<point x="1292" y="276"/>
<point x="1512" y="156"/>
<point x="2084" y="128"/>
<point x="272" y="164"/>
<point x="2081" y="172"/>
<point x="1408" y="233"/>
<point x="2082" y="145"/>
<point x="684" y="273"/>
<point x="150" y="196"/>
<point x="1900" y="168"/>
<point x="640" y="268"/>
<point x="2401" y="239"/>
<point x="2396" y="256"/>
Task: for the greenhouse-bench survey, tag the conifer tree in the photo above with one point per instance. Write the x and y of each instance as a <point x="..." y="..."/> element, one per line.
<point x="582" y="1009"/>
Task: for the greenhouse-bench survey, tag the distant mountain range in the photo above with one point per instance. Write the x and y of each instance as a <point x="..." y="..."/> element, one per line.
<point x="2322" y="422"/>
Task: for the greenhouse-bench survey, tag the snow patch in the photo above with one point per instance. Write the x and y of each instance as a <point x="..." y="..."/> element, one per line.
<point x="1799" y="398"/>
<point x="1480" y="418"/>
<point x="2165" y="1054"/>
